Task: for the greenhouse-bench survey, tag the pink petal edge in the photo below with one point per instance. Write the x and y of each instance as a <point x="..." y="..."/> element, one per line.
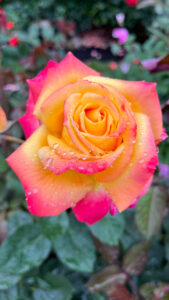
<point x="28" y="121"/>
<point x="93" y="207"/>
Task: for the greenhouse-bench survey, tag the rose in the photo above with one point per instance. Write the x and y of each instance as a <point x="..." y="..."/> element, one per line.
<point x="10" y="25"/>
<point x="14" y="41"/>
<point x="121" y="34"/>
<point x="91" y="141"/>
<point x="132" y="2"/>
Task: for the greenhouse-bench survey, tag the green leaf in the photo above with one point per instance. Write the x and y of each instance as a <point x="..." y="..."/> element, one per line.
<point x="98" y="297"/>
<point x="151" y="211"/>
<point x="15" y="293"/>
<point x="18" y="219"/>
<point x="104" y="280"/>
<point x="130" y="235"/>
<point x="47" y="30"/>
<point x="154" y="291"/>
<point x="26" y="248"/>
<point x="51" y="265"/>
<point x="13" y="184"/>
<point x="162" y="291"/>
<point x="3" y="164"/>
<point x="75" y="248"/>
<point x="33" y="30"/>
<point x="7" y="280"/>
<point x="3" y="38"/>
<point x="109" y="230"/>
<point x="115" y="48"/>
<point x="3" y="193"/>
<point x="53" y="227"/>
<point x="3" y="227"/>
<point x="156" y="256"/>
<point x="166" y="224"/>
<point x="167" y="248"/>
<point x="147" y="290"/>
<point x="54" y="287"/>
<point x="158" y="275"/>
<point x="135" y="259"/>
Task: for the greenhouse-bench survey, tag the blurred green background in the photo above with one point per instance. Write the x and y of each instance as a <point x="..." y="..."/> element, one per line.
<point x="125" y="257"/>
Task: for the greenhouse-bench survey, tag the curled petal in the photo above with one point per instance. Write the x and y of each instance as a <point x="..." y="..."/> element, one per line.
<point x="28" y="121"/>
<point x="53" y="107"/>
<point x="93" y="207"/>
<point x="36" y="84"/>
<point x="113" y="209"/>
<point x="142" y="96"/>
<point x="133" y="204"/>
<point x="109" y="142"/>
<point x="46" y="193"/>
<point x="69" y="70"/>
<point x="143" y="192"/>
<point x="129" y="139"/>
<point x="140" y="170"/>
<point x="88" y="121"/>
<point x="163" y="137"/>
<point x="58" y="165"/>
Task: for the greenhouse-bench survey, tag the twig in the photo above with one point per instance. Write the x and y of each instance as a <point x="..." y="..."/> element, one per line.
<point x="11" y="138"/>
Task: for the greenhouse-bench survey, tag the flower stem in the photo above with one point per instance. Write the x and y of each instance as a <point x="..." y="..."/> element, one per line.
<point x="11" y="138"/>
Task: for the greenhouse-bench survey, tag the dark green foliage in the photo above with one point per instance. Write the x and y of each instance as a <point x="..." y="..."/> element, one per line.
<point x="23" y="250"/>
<point x="53" y="287"/>
<point x="75" y="248"/>
<point x="103" y="229"/>
<point x="100" y="13"/>
<point x="150" y="211"/>
<point x="54" y="227"/>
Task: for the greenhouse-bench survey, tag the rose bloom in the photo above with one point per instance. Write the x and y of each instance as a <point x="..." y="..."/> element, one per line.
<point x="132" y="2"/>
<point x="136" y="61"/>
<point x="91" y="141"/>
<point x="3" y="119"/>
<point x="121" y="34"/>
<point x="164" y="170"/>
<point x="10" y="25"/>
<point x="113" y="65"/>
<point x="13" y="42"/>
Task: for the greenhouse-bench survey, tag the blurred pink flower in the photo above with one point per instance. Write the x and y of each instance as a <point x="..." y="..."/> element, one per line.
<point x="136" y="61"/>
<point x="132" y="2"/>
<point x="10" y="25"/>
<point x="94" y="53"/>
<point x="121" y="34"/>
<point x="11" y="87"/>
<point x="120" y="17"/>
<point x="125" y="67"/>
<point x="156" y="64"/>
<point x="113" y="65"/>
<point x="164" y="170"/>
<point x="13" y="42"/>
